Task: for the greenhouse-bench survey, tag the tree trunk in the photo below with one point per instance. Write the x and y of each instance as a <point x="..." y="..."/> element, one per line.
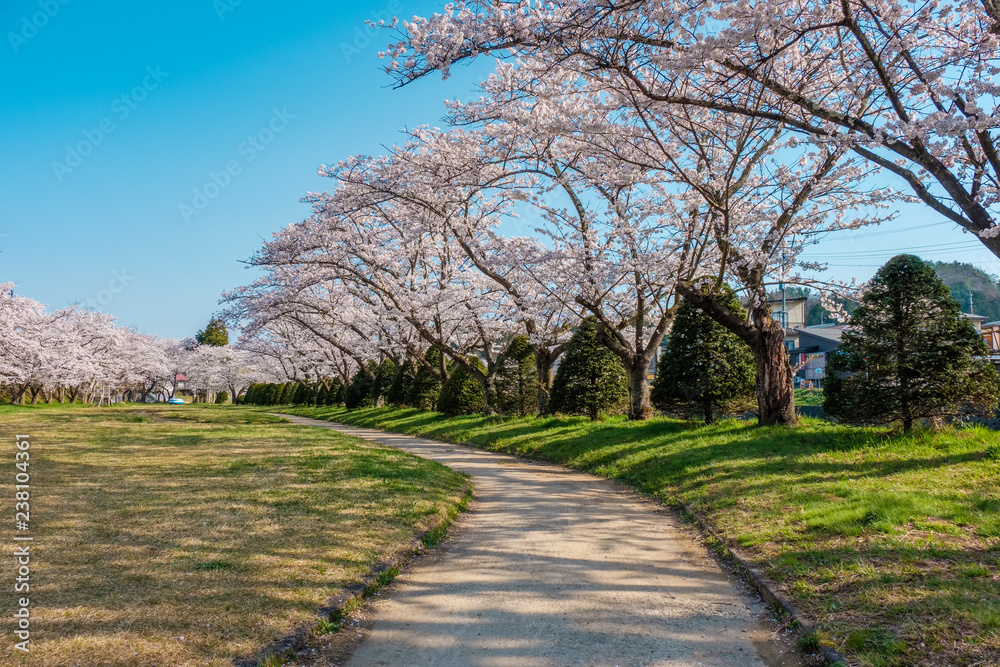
<point x="766" y="338"/>
<point x="638" y="389"/>
<point x="707" y="409"/>
<point x="543" y="365"/>
<point x="775" y="394"/>
<point x="489" y="397"/>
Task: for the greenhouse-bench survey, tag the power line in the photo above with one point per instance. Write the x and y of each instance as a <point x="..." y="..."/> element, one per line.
<point x="928" y="249"/>
<point x="881" y="232"/>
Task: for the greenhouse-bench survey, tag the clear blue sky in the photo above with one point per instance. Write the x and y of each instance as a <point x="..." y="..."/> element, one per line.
<point x="154" y="99"/>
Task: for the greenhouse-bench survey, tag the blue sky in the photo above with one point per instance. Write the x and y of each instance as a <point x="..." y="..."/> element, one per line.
<point x="149" y="148"/>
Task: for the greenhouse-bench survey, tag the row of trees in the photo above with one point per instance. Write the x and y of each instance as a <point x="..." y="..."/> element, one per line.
<point x="909" y="354"/>
<point x="72" y="354"/>
<point x="705" y="370"/>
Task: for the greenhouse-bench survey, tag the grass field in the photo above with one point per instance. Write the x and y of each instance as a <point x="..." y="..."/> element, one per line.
<point x="890" y="542"/>
<point x="191" y="535"/>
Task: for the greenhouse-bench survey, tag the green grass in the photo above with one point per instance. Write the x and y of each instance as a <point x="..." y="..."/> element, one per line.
<point x="220" y="525"/>
<point x="890" y="542"/>
<point x="808" y="397"/>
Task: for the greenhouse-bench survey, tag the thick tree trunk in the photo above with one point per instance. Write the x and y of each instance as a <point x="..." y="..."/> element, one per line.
<point x="775" y="394"/>
<point x="707" y="409"/>
<point x="638" y="390"/>
<point x="766" y="338"/>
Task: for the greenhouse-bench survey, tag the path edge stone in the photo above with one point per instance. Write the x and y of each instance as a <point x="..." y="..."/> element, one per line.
<point x="760" y="582"/>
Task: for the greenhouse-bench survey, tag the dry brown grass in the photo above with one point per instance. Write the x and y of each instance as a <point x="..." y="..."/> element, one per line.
<point x="194" y="535"/>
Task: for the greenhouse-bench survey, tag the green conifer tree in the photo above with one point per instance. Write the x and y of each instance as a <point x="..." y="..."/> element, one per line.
<point x="215" y="334"/>
<point x="401" y="383"/>
<point x="516" y="384"/>
<point x="359" y="392"/>
<point x="590" y="379"/>
<point x="384" y="375"/>
<point x="462" y="393"/>
<point x="705" y="368"/>
<point x="423" y="392"/>
<point x="910" y="355"/>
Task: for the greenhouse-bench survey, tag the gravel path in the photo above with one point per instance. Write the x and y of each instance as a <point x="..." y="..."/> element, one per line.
<point x="556" y="567"/>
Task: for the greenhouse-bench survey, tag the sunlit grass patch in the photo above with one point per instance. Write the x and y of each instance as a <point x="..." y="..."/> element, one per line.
<point x="194" y="535"/>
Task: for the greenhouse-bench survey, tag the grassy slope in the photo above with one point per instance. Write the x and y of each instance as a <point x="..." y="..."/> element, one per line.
<point x="892" y="543"/>
<point x="190" y="535"/>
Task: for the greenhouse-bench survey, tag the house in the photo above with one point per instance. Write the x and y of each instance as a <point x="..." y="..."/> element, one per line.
<point x="991" y="335"/>
<point x="791" y="312"/>
<point x="811" y="354"/>
<point x="977" y="321"/>
<point x="181" y="387"/>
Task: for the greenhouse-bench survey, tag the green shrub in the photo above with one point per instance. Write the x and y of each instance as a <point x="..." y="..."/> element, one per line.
<point x="910" y="355"/>
<point x="222" y="397"/>
<point x="359" y="393"/>
<point x="516" y="383"/>
<point x="401" y="383"/>
<point x="384" y="376"/>
<point x="590" y="379"/>
<point x="423" y="392"/>
<point x="462" y="394"/>
<point x="705" y="368"/>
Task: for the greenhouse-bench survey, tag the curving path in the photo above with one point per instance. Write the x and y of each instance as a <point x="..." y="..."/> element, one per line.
<point x="555" y="567"/>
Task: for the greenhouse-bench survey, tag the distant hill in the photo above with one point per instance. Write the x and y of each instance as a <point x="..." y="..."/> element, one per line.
<point x="963" y="278"/>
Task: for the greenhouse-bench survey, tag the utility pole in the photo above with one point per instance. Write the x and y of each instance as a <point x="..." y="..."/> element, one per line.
<point x="971" y="310"/>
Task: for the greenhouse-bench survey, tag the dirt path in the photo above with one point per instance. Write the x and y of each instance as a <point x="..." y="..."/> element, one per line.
<point x="556" y="567"/>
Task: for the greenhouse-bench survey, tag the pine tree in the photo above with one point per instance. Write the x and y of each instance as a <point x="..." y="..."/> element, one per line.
<point x="911" y="355"/>
<point x="516" y="384"/>
<point x="423" y="392"/>
<point x="384" y="376"/>
<point x="705" y="368"/>
<point x="336" y="394"/>
<point x="405" y="374"/>
<point x="462" y="393"/>
<point x="359" y="392"/>
<point x="590" y="379"/>
<point x="215" y="334"/>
